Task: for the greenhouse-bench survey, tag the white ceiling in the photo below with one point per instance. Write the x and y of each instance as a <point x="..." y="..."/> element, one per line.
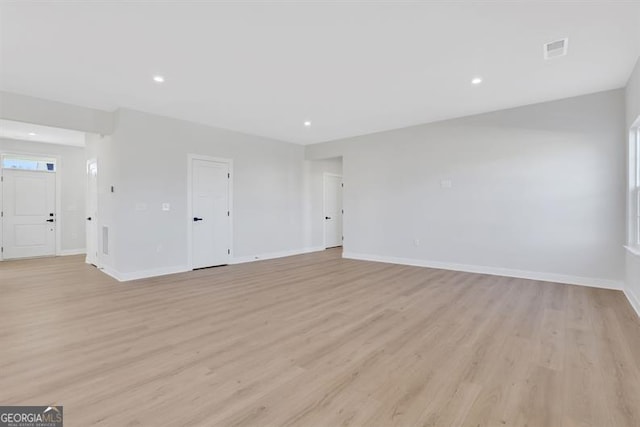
<point x="37" y="133"/>
<point x="350" y="68"/>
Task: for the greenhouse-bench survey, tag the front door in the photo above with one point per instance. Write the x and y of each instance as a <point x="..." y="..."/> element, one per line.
<point x="28" y="221"/>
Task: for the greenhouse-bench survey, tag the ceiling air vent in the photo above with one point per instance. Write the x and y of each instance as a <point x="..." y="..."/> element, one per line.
<point x="556" y="49"/>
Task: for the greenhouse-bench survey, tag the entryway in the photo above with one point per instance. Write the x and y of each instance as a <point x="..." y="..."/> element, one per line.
<point x="28" y="206"/>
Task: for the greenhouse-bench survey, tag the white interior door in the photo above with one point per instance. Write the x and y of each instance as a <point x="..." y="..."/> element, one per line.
<point x="29" y="206"/>
<point x="92" y="213"/>
<point x="211" y="221"/>
<point x="332" y="211"/>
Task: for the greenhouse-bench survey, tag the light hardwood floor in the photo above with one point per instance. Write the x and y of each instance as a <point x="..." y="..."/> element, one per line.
<point x="315" y="340"/>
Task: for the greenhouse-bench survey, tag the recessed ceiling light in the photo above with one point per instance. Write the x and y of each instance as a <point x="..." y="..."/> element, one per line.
<point x="307" y="123"/>
<point x="158" y="79"/>
<point x="476" y="80"/>
<point x="32" y="134"/>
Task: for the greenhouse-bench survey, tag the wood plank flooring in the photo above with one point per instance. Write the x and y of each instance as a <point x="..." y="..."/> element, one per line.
<point x="315" y="340"/>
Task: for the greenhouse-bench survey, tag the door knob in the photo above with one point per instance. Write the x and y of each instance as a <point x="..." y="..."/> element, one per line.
<point x="88" y="218"/>
<point x="50" y="220"/>
<point x="196" y="219"/>
<point x="327" y="217"/>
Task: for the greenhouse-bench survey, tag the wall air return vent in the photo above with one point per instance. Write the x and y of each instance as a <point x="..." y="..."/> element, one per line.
<point x="555" y="49"/>
<point x="105" y="240"/>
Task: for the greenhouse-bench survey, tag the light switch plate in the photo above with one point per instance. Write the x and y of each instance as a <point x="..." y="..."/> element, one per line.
<point x="166" y="207"/>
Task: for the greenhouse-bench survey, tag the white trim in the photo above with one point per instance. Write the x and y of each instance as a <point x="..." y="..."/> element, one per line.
<point x="190" y="159"/>
<point x="273" y="255"/>
<point x="633" y="184"/>
<point x="633" y="300"/>
<point x="324" y="213"/>
<point x="633" y="250"/>
<point x="67" y="252"/>
<point x="95" y="215"/>
<point x="496" y="271"/>
<point x="59" y="216"/>
<point x="110" y="272"/>
<point x="144" y="274"/>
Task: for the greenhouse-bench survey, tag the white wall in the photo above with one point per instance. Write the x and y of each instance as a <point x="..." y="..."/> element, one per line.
<point x="314" y="203"/>
<point x="72" y="185"/>
<point x="151" y="157"/>
<point x="536" y="191"/>
<point x="632" y="277"/>
<point x="39" y="111"/>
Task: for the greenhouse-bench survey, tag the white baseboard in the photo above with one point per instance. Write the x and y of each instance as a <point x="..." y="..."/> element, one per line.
<point x="273" y="255"/>
<point x="110" y="272"/>
<point x="633" y="300"/>
<point x="67" y="252"/>
<point x="143" y="274"/>
<point x="496" y="271"/>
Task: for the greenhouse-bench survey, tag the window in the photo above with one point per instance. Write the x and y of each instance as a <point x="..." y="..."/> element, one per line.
<point x="30" y="164"/>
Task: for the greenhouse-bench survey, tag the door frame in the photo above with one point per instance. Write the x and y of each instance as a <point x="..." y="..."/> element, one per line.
<point x="97" y="236"/>
<point x="189" y="218"/>
<point x="58" y="208"/>
<point x="325" y="175"/>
